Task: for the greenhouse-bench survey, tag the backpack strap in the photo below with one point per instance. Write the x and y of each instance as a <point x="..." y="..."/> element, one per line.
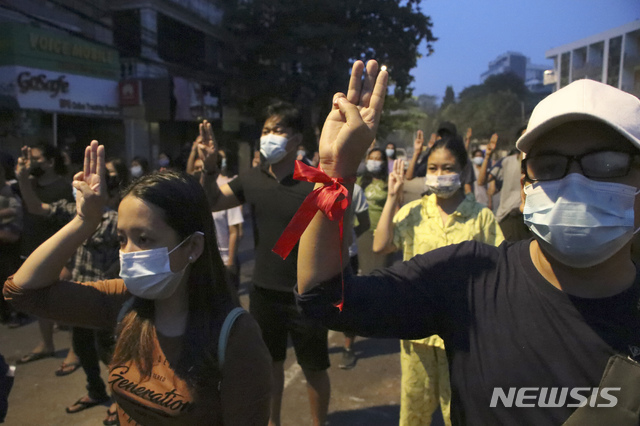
<point x="224" y="333"/>
<point x="125" y="309"/>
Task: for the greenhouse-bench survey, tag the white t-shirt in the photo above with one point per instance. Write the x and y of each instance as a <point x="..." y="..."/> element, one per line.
<point x="223" y="220"/>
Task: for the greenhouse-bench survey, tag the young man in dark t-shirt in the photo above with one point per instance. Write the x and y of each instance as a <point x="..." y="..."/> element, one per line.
<point x="275" y="197"/>
<point x="42" y="167"/>
<point x="537" y="332"/>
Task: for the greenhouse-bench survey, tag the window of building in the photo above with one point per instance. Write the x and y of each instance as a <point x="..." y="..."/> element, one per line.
<point x="613" y="66"/>
<point x="565" y="61"/>
<point x="127" y="32"/>
<point x="179" y="43"/>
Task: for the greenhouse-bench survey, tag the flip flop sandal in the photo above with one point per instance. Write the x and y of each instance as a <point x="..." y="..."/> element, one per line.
<point x="112" y="418"/>
<point x="34" y="356"/>
<point x="83" y="405"/>
<point x="66" y="369"/>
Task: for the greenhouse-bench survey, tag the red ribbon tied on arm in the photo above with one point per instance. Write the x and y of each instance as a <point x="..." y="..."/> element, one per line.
<point x="332" y="199"/>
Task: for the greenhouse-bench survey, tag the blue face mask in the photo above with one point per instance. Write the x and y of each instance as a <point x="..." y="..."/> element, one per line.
<point x="579" y="221"/>
<point x="147" y="273"/>
<point x="273" y="148"/>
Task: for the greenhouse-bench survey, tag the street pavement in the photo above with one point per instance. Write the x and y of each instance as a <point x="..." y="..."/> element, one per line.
<point x="369" y="394"/>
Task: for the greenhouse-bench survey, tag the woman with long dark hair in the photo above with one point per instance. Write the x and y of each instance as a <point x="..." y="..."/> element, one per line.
<point x="172" y="363"/>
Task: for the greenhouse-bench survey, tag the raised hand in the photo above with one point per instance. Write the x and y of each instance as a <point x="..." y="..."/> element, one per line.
<point x="351" y="125"/>
<point x="208" y="147"/>
<point x="396" y="178"/>
<point x="432" y="140"/>
<point x="491" y="146"/>
<point x="24" y="163"/>
<point x="418" y="143"/>
<point x="90" y="184"/>
<point x="469" y="133"/>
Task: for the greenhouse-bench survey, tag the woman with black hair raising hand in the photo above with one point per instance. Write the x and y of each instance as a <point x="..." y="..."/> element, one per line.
<point x="172" y="363"/>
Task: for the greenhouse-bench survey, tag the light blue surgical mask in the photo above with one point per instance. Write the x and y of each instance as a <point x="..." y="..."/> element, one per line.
<point x="579" y="221"/>
<point x="147" y="273"/>
<point x="273" y="147"/>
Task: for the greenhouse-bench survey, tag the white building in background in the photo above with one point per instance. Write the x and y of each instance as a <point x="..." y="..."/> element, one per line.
<point x="514" y="62"/>
<point x="611" y="57"/>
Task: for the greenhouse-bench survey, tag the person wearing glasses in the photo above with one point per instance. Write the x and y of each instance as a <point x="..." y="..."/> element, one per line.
<point x="537" y="332"/>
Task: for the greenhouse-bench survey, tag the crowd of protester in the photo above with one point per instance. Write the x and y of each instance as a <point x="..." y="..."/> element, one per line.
<point x="482" y="278"/>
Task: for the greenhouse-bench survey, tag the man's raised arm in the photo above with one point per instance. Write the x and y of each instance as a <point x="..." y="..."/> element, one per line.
<point x="348" y="131"/>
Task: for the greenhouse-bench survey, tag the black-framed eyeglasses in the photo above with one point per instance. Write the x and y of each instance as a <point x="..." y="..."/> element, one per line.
<point x="594" y="165"/>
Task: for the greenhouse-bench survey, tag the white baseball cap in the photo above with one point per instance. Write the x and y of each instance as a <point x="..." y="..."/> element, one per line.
<point x="585" y="100"/>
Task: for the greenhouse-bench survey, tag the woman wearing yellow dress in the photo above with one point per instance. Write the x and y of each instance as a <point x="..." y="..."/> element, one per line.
<point x="442" y="217"/>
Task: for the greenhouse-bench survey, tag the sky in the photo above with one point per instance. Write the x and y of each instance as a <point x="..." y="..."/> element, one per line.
<point x="471" y="33"/>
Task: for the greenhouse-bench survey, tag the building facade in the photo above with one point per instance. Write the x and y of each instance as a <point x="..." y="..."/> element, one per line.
<point x="135" y="74"/>
<point x="516" y="63"/>
<point x="611" y="57"/>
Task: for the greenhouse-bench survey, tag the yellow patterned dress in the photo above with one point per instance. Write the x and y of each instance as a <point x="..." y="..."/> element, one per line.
<point x="418" y="228"/>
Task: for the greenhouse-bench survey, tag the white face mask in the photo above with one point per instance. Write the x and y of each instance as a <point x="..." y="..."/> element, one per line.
<point x="579" y="221"/>
<point x="136" y="171"/>
<point x="301" y="153"/>
<point x="374" y="166"/>
<point x="390" y="152"/>
<point x="147" y="274"/>
<point x="444" y="186"/>
<point x="273" y="147"/>
<point x="478" y="161"/>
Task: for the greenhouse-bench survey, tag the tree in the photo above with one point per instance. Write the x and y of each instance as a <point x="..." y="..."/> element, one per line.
<point x="449" y="97"/>
<point x="301" y="51"/>
<point x="404" y="116"/>
<point x="497" y="105"/>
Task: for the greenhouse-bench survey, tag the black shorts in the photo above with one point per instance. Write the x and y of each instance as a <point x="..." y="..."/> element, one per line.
<point x="278" y="317"/>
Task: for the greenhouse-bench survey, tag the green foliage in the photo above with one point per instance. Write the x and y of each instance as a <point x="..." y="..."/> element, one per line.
<point x="301" y="51"/>
<point x="495" y="106"/>
<point x="405" y="116"/>
<point x="449" y="97"/>
<point x="488" y="113"/>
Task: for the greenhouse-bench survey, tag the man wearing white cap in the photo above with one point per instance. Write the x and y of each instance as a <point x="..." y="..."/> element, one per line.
<point x="538" y="332"/>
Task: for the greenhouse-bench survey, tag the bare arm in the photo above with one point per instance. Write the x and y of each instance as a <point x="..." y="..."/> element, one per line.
<point x="31" y="201"/>
<point x="234" y="241"/>
<point x="42" y="268"/>
<point x="467" y="139"/>
<point x="418" y="143"/>
<point x="348" y="131"/>
<point x="482" y="174"/>
<point x="193" y="156"/>
<point x="220" y="198"/>
<point x="383" y="237"/>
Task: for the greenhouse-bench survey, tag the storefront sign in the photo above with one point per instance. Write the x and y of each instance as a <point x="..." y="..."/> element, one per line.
<point x="130" y="93"/>
<point x="28" y="46"/>
<point x="63" y="93"/>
